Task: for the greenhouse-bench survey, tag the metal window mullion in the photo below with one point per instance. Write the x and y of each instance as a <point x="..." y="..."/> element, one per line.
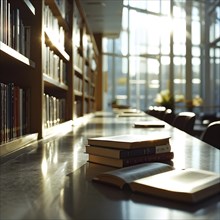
<point x="171" y="85"/>
<point x="189" y="73"/>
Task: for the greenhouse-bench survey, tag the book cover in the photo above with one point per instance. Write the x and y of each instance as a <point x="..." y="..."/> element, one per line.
<point x="129" y="141"/>
<point x="120" y="154"/>
<point x="162" y="180"/>
<point x="119" y="163"/>
<point x="149" y="124"/>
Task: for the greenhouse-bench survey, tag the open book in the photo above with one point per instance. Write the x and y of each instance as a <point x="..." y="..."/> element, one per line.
<point x="158" y="179"/>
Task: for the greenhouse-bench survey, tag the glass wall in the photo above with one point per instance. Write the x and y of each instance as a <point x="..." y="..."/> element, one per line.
<point x="214" y="58"/>
<point x="163" y="46"/>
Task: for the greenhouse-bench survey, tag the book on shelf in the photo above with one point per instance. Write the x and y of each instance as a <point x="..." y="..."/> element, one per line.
<point x="129" y="141"/>
<point x="120" y="153"/>
<point x="125" y="162"/>
<point x="13" y="31"/>
<point x="163" y="181"/>
<point x="149" y="124"/>
<point x="1" y="20"/>
<point x="14" y="111"/>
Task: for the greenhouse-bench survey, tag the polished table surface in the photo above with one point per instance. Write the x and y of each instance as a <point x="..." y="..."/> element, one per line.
<point x="52" y="179"/>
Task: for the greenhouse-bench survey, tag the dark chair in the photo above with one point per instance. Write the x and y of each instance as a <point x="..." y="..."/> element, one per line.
<point x="212" y="134"/>
<point x="169" y="116"/>
<point x="185" y="121"/>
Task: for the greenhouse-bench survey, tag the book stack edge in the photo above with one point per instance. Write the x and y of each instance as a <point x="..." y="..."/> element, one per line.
<point x="127" y="150"/>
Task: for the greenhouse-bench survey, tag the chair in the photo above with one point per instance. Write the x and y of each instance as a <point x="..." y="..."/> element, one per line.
<point x="169" y="116"/>
<point x="212" y="134"/>
<point x="185" y="121"/>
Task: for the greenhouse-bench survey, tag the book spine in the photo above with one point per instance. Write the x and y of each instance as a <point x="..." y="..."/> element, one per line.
<point x="20" y="133"/>
<point x="1" y="20"/>
<point x="1" y="112"/>
<point x="26" y="111"/>
<point x="10" y="111"/>
<point x="15" y="112"/>
<point x="5" y="21"/>
<point x="145" y="151"/>
<point x="54" y="110"/>
<point x="27" y="39"/>
<point x="4" y="110"/>
<point x="148" y="158"/>
<point x="9" y="25"/>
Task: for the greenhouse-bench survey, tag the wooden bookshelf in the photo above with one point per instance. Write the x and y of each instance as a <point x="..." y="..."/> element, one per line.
<point x="85" y="55"/>
<point x="53" y="61"/>
<point x="17" y="70"/>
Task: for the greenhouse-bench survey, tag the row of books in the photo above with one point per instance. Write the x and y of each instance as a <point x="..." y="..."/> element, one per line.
<point x="88" y="51"/>
<point x="64" y="8"/>
<point x="89" y="72"/>
<point x="13" y="32"/>
<point x="89" y="89"/>
<point x="93" y="64"/>
<point x="86" y="70"/>
<point x="54" y="111"/>
<point x="52" y="26"/>
<point x="78" y="83"/>
<point x="79" y="106"/>
<point x="88" y="106"/>
<point x="78" y="59"/>
<point x="83" y="107"/>
<point x="14" y="111"/>
<point x="127" y="150"/>
<point x="54" y="66"/>
<point x="76" y="26"/>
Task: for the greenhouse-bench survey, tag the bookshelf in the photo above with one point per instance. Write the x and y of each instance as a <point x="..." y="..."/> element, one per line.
<point x="85" y="55"/>
<point x="48" y="60"/>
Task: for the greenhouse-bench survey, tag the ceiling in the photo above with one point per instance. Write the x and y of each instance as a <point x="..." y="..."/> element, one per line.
<point x="104" y="16"/>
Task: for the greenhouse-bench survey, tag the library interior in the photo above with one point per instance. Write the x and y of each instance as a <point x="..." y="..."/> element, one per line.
<point x="95" y="86"/>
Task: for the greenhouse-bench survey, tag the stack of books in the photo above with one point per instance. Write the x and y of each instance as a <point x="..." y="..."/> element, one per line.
<point x="127" y="150"/>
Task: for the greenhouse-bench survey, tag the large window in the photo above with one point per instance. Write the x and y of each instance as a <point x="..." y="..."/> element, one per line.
<point x="163" y="45"/>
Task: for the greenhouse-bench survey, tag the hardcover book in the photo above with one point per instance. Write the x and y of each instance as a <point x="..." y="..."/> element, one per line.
<point x="119" y="163"/>
<point x="149" y="124"/>
<point x="120" y="154"/>
<point x="162" y="180"/>
<point x="129" y="141"/>
<point x="131" y="114"/>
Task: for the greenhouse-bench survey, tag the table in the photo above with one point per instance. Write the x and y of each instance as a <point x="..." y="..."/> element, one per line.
<point x="53" y="180"/>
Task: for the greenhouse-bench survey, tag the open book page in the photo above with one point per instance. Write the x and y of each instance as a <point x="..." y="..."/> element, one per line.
<point x="120" y="177"/>
<point x="188" y="185"/>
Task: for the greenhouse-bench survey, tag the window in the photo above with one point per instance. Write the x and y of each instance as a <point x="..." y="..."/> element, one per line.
<point x="153" y="38"/>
